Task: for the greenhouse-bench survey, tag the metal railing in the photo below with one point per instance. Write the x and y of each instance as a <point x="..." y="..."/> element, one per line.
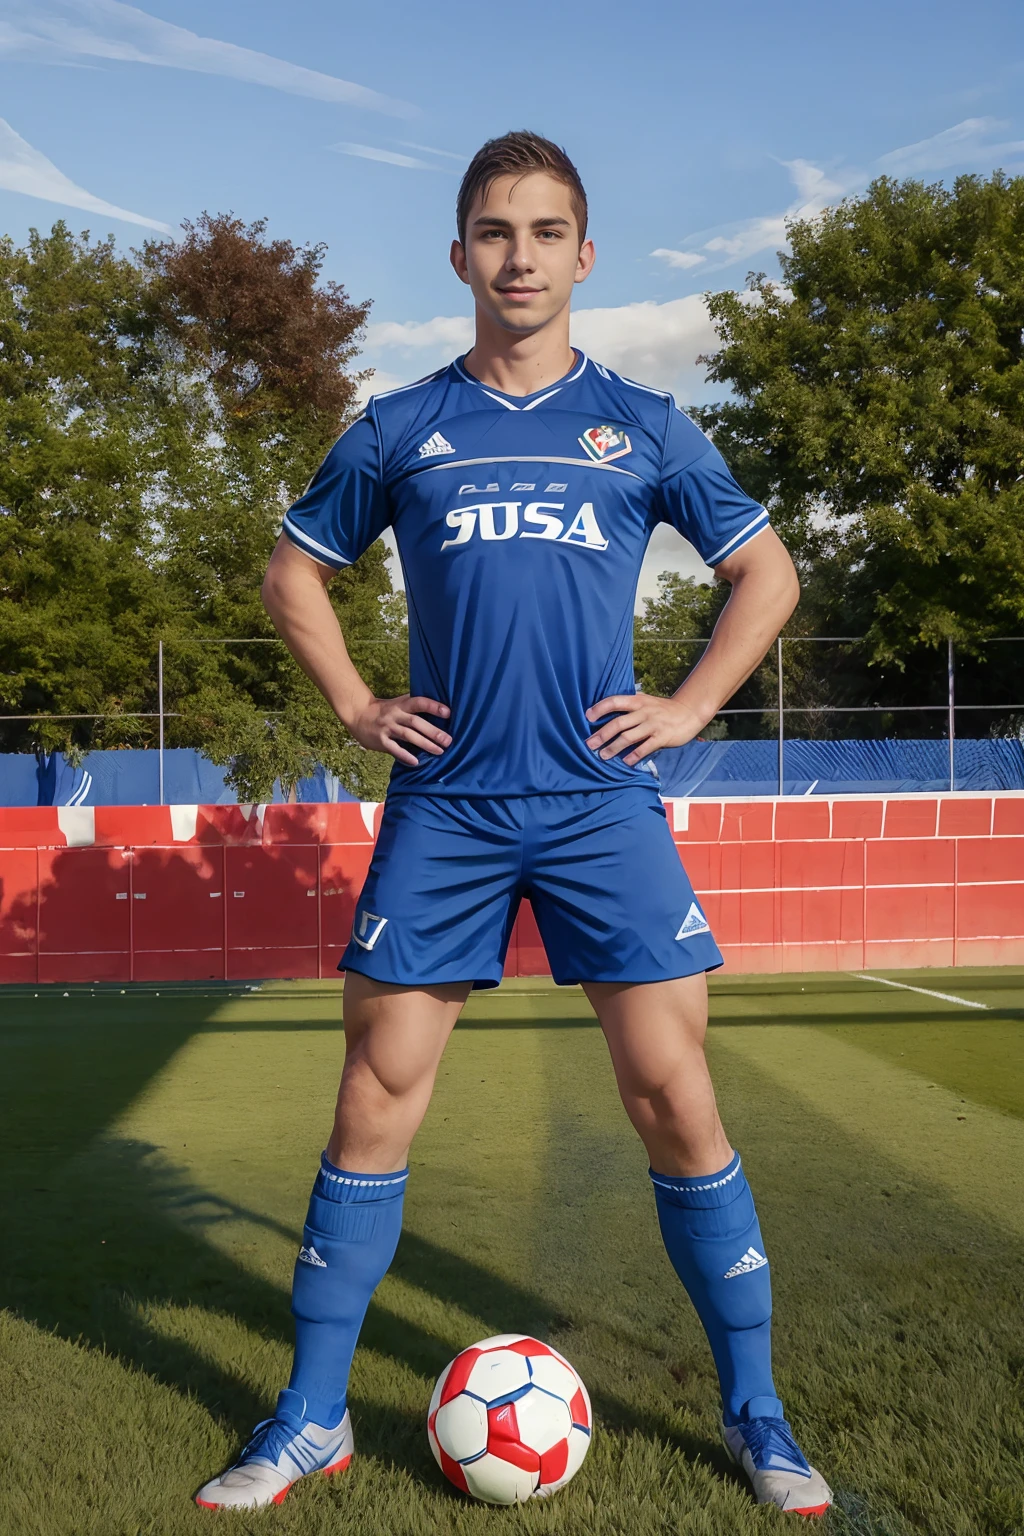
<point x="949" y="708"/>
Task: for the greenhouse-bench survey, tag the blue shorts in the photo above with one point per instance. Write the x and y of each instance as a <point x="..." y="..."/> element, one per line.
<point x="608" y="889"/>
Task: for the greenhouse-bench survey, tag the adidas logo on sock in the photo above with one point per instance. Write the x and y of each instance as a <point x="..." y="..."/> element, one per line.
<point x="751" y="1260"/>
<point x="310" y="1256"/>
<point x="434" y="446"/>
<point x="693" y="922"/>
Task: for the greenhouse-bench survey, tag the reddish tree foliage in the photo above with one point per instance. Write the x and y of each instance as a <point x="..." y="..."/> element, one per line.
<point x="270" y="335"/>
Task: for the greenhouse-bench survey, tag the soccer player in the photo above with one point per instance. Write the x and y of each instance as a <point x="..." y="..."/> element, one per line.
<point x="523" y="483"/>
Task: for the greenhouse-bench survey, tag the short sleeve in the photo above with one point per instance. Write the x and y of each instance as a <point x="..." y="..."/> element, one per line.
<point x="699" y="496"/>
<point x="344" y="507"/>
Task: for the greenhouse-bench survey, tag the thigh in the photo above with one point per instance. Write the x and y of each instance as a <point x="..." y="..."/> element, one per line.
<point x="394" y="1040"/>
<point x="655" y="1033"/>
<point x="399" y="1033"/>
<point x="612" y="899"/>
<point x="440" y="896"/>
<point x="655" y="1030"/>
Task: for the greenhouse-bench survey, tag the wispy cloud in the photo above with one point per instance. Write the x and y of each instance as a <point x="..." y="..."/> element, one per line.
<point x="386" y="156"/>
<point x="967" y="144"/>
<point x="679" y="259"/>
<point x="747" y="237"/>
<point x="27" y="170"/>
<point x="108" y="29"/>
<point x="446" y="154"/>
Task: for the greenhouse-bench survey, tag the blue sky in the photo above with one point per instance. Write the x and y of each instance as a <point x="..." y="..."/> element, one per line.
<point x="697" y="130"/>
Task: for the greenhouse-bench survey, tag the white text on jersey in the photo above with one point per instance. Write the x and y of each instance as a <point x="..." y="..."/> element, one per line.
<point x="499" y="520"/>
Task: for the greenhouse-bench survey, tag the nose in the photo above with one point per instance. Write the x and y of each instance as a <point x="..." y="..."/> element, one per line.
<point x="520" y="257"/>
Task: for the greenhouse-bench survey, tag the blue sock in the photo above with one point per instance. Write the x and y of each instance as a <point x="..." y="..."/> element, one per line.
<point x="713" y="1239"/>
<point x="348" y="1242"/>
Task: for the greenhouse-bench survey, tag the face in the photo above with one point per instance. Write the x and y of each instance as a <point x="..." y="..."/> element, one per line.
<point x="522" y="254"/>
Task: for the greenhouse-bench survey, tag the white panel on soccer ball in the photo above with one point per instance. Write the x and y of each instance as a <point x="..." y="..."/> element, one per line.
<point x="579" y="1445"/>
<point x="499" y="1482"/>
<point x="498" y="1373"/>
<point x="554" y="1376"/>
<point x="543" y="1420"/>
<point x="435" y="1396"/>
<point x="461" y="1427"/>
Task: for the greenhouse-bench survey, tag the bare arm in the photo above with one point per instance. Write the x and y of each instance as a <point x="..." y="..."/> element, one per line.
<point x="764" y="593"/>
<point x="295" y="595"/>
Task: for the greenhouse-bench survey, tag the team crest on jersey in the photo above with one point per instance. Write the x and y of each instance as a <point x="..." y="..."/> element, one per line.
<point x="604" y="443"/>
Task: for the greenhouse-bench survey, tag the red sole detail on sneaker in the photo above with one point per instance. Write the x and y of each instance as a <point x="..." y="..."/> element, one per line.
<point x="278" y="1498"/>
<point x="813" y="1512"/>
<point x="339" y="1466"/>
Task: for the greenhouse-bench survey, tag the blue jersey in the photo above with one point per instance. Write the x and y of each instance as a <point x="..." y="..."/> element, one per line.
<point x="521" y="523"/>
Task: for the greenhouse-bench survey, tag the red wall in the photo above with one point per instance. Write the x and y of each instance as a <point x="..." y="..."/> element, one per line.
<point x="194" y="892"/>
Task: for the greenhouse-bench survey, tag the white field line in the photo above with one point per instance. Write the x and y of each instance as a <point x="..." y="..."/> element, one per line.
<point x="944" y="997"/>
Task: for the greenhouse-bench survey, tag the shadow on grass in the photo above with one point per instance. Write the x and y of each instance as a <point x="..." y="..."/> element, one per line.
<point x="98" y="1240"/>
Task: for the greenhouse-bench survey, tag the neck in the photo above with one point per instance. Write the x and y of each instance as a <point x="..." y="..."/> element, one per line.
<point x="517" y="364"/>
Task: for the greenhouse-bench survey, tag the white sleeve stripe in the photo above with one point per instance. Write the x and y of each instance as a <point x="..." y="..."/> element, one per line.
<point x="331" y="556"/>
<point x="738" y="538"/>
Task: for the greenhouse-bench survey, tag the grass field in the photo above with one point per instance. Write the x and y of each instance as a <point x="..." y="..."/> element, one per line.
<point x="159" y="1144"/>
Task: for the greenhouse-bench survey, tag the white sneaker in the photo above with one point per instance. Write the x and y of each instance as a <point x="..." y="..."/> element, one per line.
<point x="282" y="1450"/>
<point x="777" y="1467"/>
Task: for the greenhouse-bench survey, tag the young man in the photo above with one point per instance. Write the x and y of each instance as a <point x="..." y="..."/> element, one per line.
<point x="523" y="483"/>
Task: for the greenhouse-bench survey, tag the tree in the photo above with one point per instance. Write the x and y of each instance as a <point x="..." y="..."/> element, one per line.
<point x="159" y="413"/>
<point x="877" y="408"/>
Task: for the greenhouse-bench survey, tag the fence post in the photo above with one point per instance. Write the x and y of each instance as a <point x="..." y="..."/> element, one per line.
<point x="951" y="728"/>
<point x="160" y="706"/>
<point x="782" y="765"/>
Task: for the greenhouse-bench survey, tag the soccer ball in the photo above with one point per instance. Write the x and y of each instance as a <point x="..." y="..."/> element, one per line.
<point x="509" y="1420"/>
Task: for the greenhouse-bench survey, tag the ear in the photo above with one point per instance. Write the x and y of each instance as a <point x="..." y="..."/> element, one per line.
<point x="457" y="257"/>
<point x="585" y="261"/>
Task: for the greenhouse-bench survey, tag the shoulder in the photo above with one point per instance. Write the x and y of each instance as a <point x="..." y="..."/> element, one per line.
<point x="398" y="412"/>
<point x="356" y="448"/>
<point x="407" y="415"/>
<point x="682" y="440"/>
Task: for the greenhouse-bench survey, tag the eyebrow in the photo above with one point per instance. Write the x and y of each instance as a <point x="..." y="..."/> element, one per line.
<point x="498" y="223"/>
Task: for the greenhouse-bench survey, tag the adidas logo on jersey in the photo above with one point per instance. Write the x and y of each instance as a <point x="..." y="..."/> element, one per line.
<point x="435" y="446"/>
<point x="310" y="1256"/>
<point x="499" y="520"/>
<point x="694" y="922"/>
<point x="750" y="1261"/>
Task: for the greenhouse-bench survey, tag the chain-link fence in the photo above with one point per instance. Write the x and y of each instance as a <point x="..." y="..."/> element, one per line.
<point x="779" y="714"/>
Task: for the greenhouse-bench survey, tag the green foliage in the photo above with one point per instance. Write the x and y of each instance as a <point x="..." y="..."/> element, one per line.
<point x="158" y="412"/>
<point x="878" y="410"/>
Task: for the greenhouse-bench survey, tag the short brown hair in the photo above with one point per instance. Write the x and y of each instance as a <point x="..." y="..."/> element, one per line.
<point x="518" y="154"/>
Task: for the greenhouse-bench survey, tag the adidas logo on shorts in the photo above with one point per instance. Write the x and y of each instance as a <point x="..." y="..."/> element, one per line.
<point x="694" y="922"/>
<point x="751" y="1260"/>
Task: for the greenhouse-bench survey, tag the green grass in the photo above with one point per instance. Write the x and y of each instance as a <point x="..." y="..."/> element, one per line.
<point x="157" y="1155"/>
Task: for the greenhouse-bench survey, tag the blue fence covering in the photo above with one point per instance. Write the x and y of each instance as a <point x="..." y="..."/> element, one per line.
<point x="133" y="778"/>
<point x="702" y="768"/>
<point x="718" y="768"/>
